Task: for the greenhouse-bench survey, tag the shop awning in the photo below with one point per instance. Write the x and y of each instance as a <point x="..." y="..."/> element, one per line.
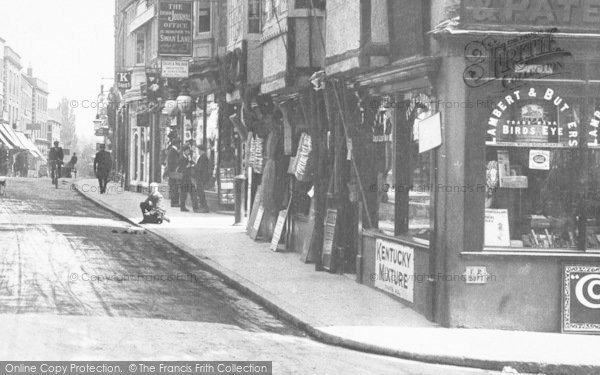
<point x="6" y="142"/>
<point x="10" y="135"/>
<point x="29" y="146"/>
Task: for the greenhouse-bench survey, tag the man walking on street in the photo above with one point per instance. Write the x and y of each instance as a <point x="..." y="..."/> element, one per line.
<point x="102" y="167"/>
<point x="186" y="167"/>
<point x="172" y="161"/>
<point x="202" y="176"/>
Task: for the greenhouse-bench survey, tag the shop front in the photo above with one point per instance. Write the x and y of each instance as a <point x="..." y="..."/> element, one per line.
<point x="519" y="169"/>
<point x="394" y="146"/>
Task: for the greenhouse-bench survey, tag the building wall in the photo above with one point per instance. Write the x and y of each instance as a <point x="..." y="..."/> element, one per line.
<point x="2" y="114"/>
<point x="12" y="88"/>
<point x="26" y="107"/>
<point x="53" y="131"/>
<point x="343" y="25"/>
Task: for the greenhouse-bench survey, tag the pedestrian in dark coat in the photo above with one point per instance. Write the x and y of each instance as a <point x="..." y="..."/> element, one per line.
<point x="171" y="167"/>
<point x="102" y="167"/>
<point x="186" y="168"/>
<point x="202" y="175"/>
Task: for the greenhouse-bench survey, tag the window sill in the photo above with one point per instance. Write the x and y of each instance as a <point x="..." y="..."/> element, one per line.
<point x="543" y="253"/>
<point x="407" y="240"/>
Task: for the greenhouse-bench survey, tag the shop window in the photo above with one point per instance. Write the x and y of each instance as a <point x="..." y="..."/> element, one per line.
<point x="204" y="16"/>
<point x="254" y="15"/>
<point x="404" y="175"/>
<point x="542" y="187"/>
<point x="383" y="133"/>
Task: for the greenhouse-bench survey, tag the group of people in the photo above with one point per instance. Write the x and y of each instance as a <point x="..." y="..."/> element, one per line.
<point x="188" y="175"/>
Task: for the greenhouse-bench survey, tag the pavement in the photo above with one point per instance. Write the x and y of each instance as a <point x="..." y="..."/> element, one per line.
<point x="79" y="283"/>
<point x="336" y="310"/>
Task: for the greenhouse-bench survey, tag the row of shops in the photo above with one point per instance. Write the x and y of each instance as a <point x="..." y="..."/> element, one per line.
<point x="459" y="176"/>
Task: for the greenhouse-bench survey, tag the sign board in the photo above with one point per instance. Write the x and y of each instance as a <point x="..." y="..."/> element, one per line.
<point x="476" y="275"/>
<point x="539" y="159"/>
<point x="430" y="133"/>
<point x="257" y="202"/>
<point x="257" y="221"/>
<point x="395" y="269"/>
<point x="278" y="229"/>
<point x="327" y="257"/>
<point x="32" y="126"/>
<point x="175" y="69"/>
<point x="581" y="299"/>
<point x="175" y="28"/>
<point x="124" y="79"/>
<point x="578" y="15"/>
<point x="496" y="227"/>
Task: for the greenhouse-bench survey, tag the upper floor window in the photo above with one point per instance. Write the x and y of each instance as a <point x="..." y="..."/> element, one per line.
<point x="274" y="8"/>
<point x="204" y="16"/>
<point x="254" y="16"/>
<point x="140" y="47"/>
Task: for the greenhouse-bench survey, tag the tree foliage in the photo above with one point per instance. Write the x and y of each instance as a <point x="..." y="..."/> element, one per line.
<point x="68" y="130"/>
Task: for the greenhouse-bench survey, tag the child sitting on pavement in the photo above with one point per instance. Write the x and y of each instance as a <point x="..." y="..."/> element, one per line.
<point x="152" y="208"/>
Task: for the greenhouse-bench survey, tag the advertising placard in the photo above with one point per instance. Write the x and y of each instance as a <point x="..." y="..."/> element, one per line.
<point x="175" y="28"/>
<point x="395" y="269"/>
<point x="124" y="79"/>
<point x="279" y="229"/>
<point x="581" y="299"/>
<point x="329" y="240"/>
<point x="175" y="69"/>
<point x="496" y="227"/>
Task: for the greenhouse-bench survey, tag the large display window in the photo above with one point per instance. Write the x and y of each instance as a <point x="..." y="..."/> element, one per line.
<point x="542" y="171"/>
<point x="405" y="177"/>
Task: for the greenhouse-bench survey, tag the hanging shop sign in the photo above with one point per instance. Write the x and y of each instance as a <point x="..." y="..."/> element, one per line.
<point x="124" y="79"/>
<point x="175" y="28"/>
<point x="581" y="298"/>
<point x="382" y="126"/>
<point x="395" y="269"/>
<point x="234" y="64"/>
<point x="533" y="117"/>
<point x="154" y="84"/>
<point x="256" y="154"/>
<point x="303" y="161"/>
<point x="175" y="69"/>
<point x="573" y="14"/>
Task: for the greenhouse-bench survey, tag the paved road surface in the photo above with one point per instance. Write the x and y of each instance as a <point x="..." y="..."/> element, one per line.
<point x="75" y="284"/>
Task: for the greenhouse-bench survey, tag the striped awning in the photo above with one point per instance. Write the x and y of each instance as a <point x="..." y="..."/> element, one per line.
<point x="6" y="142"/>
<point x="8" y="134"/>
<point x="28" y="145"/>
